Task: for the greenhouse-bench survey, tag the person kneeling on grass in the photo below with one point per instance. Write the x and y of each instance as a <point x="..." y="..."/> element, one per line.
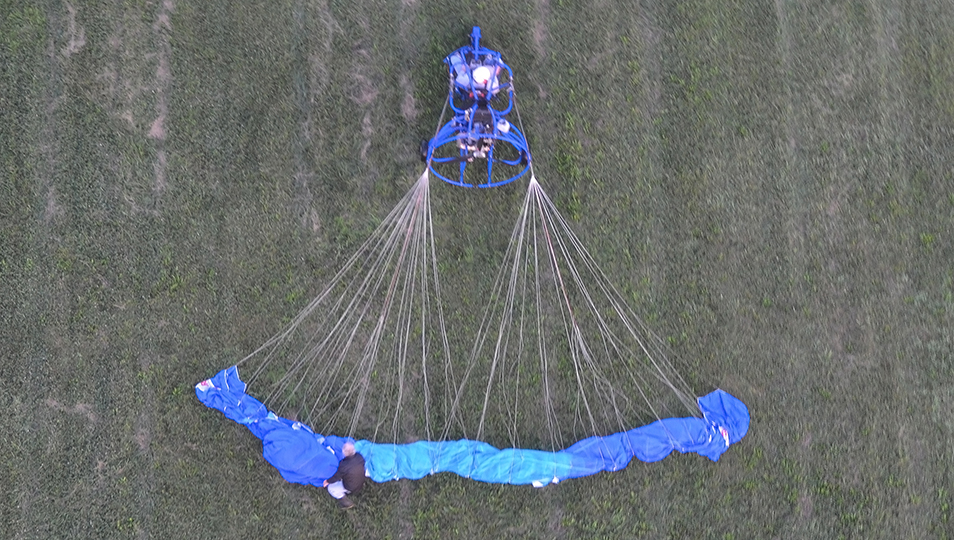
<point x="348" y="478"/>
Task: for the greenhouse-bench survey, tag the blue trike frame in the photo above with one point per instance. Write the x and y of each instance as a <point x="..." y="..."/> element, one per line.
<point x="478" y="125"/>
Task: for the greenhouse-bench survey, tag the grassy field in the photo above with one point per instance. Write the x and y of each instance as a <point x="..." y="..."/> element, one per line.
<point x="773" y="178"/>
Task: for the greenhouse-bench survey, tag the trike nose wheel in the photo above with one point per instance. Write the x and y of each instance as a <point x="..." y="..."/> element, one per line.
<point x="423" y="150"/>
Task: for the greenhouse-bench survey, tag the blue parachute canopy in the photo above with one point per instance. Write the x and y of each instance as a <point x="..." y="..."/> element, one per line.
<point x="305" y="457"/>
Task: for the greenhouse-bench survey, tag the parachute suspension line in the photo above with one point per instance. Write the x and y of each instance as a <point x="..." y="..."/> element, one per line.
<point x="449" y="379"/>
<point x="422" y="249"/>
<point x="513" y="428"/>
<point x="516" y="243"/>
<point x="437" y="130"/>
<point x="419" y="258"/>
<point x="556" y="439"/>
<point x="425" y="230"/>
<point x="662" y="370"/>
<point x="580" y="351"/>
<point x="400" y="343"/>
<point x="362" y="371"/>
<point x="600" y="380"/>
<point x="378" y="314"/>
<point x="331" y="340"/>
<point x="571" y="328"/>
<point x="513" y="92"/>
<point x="368" y="245"/>
<point x="359" y="377"/>
<point x="566" y="284"/>
<point x="625" y="314"/>
<point x="336" y="358"/>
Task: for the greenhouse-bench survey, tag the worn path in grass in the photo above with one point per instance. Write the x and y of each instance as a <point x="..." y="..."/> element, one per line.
<point x="769" y="182"/>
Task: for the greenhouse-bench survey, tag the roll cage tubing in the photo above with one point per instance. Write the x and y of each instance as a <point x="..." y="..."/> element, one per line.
<point x="470" y="125"/>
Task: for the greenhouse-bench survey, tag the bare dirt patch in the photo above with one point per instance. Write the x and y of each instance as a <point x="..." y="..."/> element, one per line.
<point x="540" y="36"/>
<point x="119" y="86"/>
<point x="651" y="59"/>
<point x="408" y="106"/>
<point x="81" y="409"/>
<point x="314" y="61"/>
<point x="77" y="34"/>
<point x="163" y="81"/>
<point x="160" y="170"/>
<point x="805" y="507"/>
<point x="367" y="130"/>
<point x="364" y="93"/>
<point x="315" y="221"/>
<point x="407" y="527"/>
<point x="52" y="210"/>
<point x="157" y="130"/>
<point x="594" y="62"/>
<point x="540" y="33"/>
<point x="143" y="438"/>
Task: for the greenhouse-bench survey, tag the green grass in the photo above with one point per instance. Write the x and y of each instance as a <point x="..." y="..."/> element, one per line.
<point x="769" y="182"/>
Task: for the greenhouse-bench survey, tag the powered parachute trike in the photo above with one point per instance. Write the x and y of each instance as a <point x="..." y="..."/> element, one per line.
<point x="481" y="95"/>
<point x="560" y="371"/>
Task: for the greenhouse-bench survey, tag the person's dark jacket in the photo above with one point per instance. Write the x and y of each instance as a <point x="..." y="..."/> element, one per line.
<point x="350" y="472"/>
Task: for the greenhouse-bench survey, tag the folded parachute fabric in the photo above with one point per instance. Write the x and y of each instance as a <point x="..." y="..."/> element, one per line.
<point x="305" y="457"/>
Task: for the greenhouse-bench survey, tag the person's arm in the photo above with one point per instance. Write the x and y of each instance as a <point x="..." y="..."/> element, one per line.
<point x="336" y="477"/>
